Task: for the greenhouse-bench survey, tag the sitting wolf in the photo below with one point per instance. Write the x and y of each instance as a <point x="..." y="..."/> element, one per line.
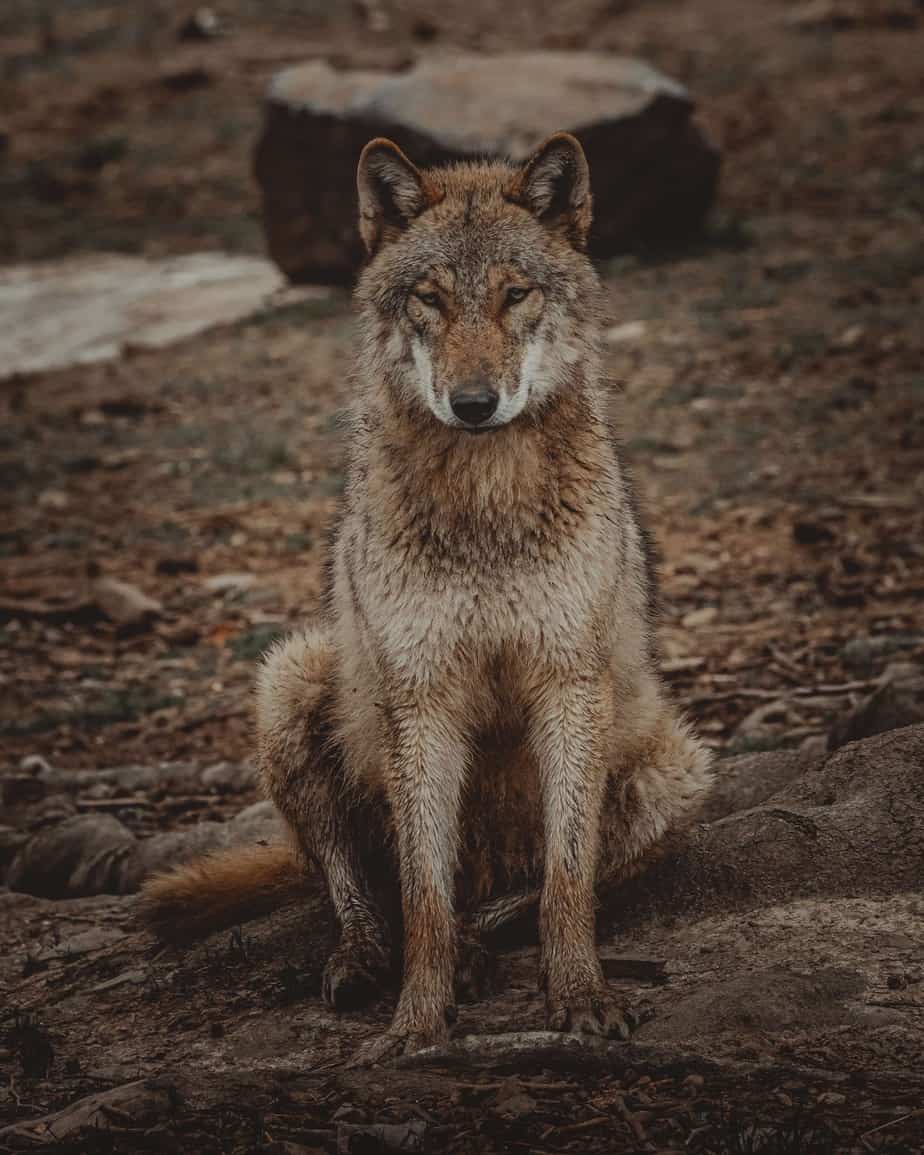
<point x="479" y="713"/>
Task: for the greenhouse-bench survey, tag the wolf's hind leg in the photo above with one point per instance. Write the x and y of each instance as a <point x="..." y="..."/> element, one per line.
<point x="303" y="773"/>
<point x="479" y="931"/>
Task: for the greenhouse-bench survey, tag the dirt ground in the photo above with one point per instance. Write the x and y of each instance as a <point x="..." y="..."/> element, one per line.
<point x="770" y="387"/>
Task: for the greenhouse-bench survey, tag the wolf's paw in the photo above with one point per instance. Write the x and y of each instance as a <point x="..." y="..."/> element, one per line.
<point x="395" y="1042"/>
<point x="593" y="1013"/>
<point x="476" y="970"/>
<point x="355" y="975"/>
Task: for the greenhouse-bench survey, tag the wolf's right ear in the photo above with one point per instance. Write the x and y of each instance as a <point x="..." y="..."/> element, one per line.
<point x="554" y="184"/>
<point x="391" y="192"/>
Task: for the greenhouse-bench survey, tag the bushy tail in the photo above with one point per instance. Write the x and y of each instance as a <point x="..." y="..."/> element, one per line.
<point x="220" y="890"/>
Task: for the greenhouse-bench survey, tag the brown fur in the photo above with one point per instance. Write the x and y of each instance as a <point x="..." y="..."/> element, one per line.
<point x="479" y="722"/>
<point x="221" y="889"/>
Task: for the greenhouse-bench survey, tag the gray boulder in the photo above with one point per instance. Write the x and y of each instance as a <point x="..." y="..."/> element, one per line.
<point x="654" y="173"/>
<point x="97" y="854"/>
<point x="898" y="701"/>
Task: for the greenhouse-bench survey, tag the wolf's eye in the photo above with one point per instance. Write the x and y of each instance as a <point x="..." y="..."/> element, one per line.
<point x="431" y="300"/>
<point x="516" y="293"/>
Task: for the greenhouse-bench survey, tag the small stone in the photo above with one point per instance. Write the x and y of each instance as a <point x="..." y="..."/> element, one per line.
<point x="704" y="616"/>
<point x="35" y="764"/>
<point x="125" y="604"/>
<point x="230" y="583"/>
<point x="625" y="333"/>
<point x="831" y="1098"/>
<point x="53" y="499"/>
<point x="694" y="1082"/>
<point x="850" y="338"/>
<point x="203" y="24"/>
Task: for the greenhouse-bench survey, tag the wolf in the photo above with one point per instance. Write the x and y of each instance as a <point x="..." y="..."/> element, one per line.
<point x="478" y="717"/>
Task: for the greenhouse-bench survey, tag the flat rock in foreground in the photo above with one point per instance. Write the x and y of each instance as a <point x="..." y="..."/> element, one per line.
<point x="654" y="173"/>
<point x="95" y="307"/>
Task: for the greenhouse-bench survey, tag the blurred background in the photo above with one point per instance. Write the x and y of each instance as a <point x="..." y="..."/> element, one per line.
<point x="171" y="450"/>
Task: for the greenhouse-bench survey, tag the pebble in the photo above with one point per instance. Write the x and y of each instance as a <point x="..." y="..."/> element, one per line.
<point x="125" y="604"/>
<point x="35" y="764"/>
<point x="704" y="616"/>
<point x="625" y="333"/>
<point x="225" y="583"/>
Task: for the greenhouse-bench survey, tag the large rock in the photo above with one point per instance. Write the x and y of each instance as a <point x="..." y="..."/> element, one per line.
<point x="746" y="780"/>
<point x="654" y="174"/>
<point x="850" y="824"/>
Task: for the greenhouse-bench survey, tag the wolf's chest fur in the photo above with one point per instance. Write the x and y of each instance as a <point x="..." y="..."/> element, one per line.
<point x="464" y="551"/>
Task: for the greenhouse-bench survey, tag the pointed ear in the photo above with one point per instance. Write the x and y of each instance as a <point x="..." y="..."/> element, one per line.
<point x="391" y="192"/>
<point x="554" y="184"/>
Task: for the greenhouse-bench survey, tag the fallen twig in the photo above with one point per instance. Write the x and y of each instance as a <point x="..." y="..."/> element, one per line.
<point x="826" y="689"/>
<point x="892" y="1123"/>
<point x="570" y="1128"/>
<point x="632" y="1121"/>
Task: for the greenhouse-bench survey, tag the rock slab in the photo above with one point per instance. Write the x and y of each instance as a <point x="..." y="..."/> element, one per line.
<point x="654" y="173"/>
<point x="93" y="308"/>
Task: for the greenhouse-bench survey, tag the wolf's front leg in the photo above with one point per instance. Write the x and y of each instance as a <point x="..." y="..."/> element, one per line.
<point x="570" y="734"/>
<point x="426" y="771"/>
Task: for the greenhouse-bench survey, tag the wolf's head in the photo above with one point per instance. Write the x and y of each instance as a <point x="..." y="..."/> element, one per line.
<point x="478" y="299"/>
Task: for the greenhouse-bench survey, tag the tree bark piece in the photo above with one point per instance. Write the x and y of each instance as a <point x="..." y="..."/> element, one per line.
<point x="654" y="173"/>
<point x="131" y="1106"/>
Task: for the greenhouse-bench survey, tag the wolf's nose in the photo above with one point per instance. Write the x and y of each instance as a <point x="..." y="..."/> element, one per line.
<point x="474" y="407"/>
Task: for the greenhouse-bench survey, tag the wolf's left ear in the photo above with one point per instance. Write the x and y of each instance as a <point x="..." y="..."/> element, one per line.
<point x="555" y="185"/>
<point x="391" y="192"/>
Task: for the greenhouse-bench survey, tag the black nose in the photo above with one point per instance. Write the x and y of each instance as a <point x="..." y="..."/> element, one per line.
<point x="474" y="406"/>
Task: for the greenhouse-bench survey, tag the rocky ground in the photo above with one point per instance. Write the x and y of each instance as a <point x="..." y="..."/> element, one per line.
<point x="769" y="388"/>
